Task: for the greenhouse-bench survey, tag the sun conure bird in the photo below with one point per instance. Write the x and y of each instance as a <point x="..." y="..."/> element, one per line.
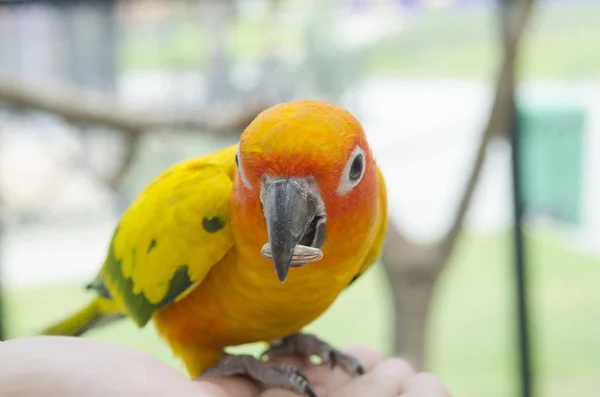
<point x="250" y="243"/>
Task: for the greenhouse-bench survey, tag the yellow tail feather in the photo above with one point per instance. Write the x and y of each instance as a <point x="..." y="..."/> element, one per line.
<point x="98" y="312"/>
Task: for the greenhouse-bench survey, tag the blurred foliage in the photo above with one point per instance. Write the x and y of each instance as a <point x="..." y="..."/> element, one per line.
<point x="459" y="42"/>
<point x="472" y="329"/>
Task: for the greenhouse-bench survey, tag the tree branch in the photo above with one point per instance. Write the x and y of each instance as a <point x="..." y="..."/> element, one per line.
<point x="497" y="126"/>
<point x="413" y="269"/>
<point x="131" y="144"/>
<point x="400" y="255"/>
<point x="77" y="105"/>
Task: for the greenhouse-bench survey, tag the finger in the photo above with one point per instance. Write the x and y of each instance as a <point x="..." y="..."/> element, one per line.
<point x="279" y="393"/>
<point x="226" y="387"/>
<point x="367" y="356"/>
<point x="58" y="366"/>
<point x="385" y="380"/>
<point x="424" y="385"/>
<point x="323" y="379"/>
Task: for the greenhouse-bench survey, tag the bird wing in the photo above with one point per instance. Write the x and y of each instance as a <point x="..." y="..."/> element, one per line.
<point x="170" y="237"/>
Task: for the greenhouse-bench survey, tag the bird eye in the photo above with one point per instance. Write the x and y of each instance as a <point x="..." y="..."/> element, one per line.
<point x="353" y="172"/>
<point x="356" y="168"/>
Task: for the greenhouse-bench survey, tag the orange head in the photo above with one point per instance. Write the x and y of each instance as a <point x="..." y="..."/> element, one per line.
<point x="306" y="175"/>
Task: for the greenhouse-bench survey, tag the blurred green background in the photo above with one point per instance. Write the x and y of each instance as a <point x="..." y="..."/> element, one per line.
<point x="562" y="43"/>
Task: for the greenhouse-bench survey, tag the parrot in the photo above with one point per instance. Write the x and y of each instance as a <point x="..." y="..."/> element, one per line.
<point x="249" y="243"/>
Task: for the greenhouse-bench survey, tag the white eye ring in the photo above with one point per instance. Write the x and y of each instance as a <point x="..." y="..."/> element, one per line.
<point x="353" y="171"/>
<point x="238" y="163"/>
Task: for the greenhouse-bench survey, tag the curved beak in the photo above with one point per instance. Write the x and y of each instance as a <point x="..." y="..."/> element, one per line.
<point x="289" y="210"/>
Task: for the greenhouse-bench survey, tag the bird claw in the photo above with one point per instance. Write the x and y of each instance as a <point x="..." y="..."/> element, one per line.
<point x="267" y="376"/>
<point x="307" y="345"/>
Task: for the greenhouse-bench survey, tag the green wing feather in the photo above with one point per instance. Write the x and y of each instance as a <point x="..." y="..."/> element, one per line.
<point x="170" y="237"/>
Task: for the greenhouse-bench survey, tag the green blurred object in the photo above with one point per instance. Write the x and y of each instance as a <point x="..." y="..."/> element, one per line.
<point x="552" y="141"/>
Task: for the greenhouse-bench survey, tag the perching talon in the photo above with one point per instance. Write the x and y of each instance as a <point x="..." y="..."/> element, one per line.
<point x="307" y="345"/>
<point x="267" y="376"/>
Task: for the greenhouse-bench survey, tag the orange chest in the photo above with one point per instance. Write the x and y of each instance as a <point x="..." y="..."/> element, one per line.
<point x="241" y="301"/>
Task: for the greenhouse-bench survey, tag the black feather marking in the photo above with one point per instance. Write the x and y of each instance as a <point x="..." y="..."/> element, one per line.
<point x="179" y="283"/>
<point x="139" y="308"/>
<point x="151" y="246"/>
<point x="212" y="225"/>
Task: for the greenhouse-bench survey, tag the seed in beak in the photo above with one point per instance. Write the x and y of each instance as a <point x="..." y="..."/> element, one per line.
<point x="302" y="254"/>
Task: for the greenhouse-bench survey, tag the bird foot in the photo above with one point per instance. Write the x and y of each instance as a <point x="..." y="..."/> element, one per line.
<point x="307" y="345"/>
<point x="266" y="375"/>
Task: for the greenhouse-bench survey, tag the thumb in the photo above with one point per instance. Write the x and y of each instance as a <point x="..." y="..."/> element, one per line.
<point x="424" y="385"/>
<point x="385" y="380"/>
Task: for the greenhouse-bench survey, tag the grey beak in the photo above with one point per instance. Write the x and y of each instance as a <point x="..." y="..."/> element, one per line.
<point x="288" y="211"/>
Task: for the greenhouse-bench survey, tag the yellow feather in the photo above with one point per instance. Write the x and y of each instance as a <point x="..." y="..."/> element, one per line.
<point x="85" y="318"/>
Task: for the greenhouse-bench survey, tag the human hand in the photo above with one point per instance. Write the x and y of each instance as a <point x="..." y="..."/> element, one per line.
<point x="62" y="366"/>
